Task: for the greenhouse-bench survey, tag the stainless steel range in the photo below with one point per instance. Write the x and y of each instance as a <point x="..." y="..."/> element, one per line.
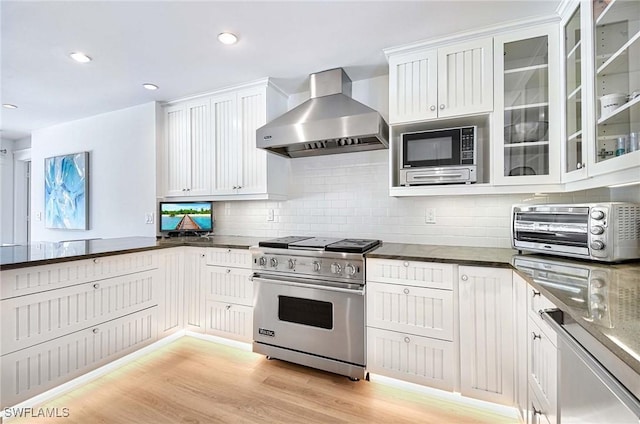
<point x="309" y="302"/>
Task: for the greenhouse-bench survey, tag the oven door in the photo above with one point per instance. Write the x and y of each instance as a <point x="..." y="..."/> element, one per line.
<point x="315" y="318"/>
<point x="431" y="148"/>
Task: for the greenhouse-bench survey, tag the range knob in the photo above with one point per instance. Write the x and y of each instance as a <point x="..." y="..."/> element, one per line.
<point x="597" y="215"/>
<point x="316" y="266"/>
<point x="597" y="229"/>
<point x="292" y="263"/>
<point x="274" y="262"/>
<point x="597" y="283"/>
<point x="263" y="261"/>
<point x="336" y="268"/>
<point x="350" y="270"/>
<point x="597" y="245"/>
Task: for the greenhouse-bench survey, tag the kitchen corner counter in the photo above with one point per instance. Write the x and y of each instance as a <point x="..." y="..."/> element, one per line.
<point x="46" y="253"/>
<point x="462" y="255"/>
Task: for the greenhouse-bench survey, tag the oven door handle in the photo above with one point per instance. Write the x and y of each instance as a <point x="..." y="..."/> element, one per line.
<point x="288" y="282"/>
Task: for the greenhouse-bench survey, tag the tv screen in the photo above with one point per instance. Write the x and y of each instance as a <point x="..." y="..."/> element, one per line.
<point x="186" y="217"/>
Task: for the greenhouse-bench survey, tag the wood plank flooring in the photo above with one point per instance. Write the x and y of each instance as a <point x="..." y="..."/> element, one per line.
<point x="196" y="381"/>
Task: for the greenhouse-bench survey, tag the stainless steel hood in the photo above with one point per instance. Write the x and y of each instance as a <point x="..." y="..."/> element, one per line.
<point x="329" y="122"/>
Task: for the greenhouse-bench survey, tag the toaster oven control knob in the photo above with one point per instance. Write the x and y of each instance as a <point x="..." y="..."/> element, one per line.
<point x="597" y="283"/>
<point x="336" y="268"/>
<point x="274" y="262"/>
<point x="597" y="215"/>
<point x="350" y="269"/>
<point x="597" y="229"/>
<point x="597" y="245"/>
<point x="292" y="263"/>
<point x="316" y="266"/>
<point x="262" y="261"/>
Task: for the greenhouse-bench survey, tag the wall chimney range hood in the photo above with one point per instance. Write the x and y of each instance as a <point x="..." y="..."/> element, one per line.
<point x="329" y="122"/>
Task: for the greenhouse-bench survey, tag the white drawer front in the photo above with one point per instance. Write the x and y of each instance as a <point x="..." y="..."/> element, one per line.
<point x="31" y="371"/>
<point x="237" y="258"/>
<point x="23" y="281"/>
<point x="229" y="320"/>
<point x="415" y="310"/>
<point x="231" y="285"/>
<point x="39" y="317"/>
<point x="420" y="360"/>
<point x="416" y="273"/>
<point x="543" y="367"/>
<point x="536" y="302"/>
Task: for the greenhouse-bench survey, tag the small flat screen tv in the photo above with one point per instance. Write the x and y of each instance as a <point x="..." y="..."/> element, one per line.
<point x="185" y="218"/>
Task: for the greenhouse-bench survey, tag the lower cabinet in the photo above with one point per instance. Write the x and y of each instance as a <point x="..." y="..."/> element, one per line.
<point x="31" y="371"/>
<point x="487" y="334"/>
<point x="170" y="288"/>
<point x="229" y="320"/>
<point x="194" y="303"/>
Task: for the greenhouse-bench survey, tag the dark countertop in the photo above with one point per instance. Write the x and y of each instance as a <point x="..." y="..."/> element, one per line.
<point x="614" y="319"/>
<point x="44" y="253"/>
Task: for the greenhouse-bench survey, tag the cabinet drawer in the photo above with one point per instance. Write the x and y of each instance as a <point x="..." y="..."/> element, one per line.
<point x="236" y="258"/>
<point x="536" y="302"/>
<point x="31" y="371"/>
<point x="538" y="411"/>
<point x="229" y="320"/>
<point x="543" y="367"/>
<point x="415" y="273"/>
<point x="232" y="285"/>
<point x="36" y="318"/>
<point x="420" y="360"/>
<point x="23" y="281"/>
<point x="415" y="310"/>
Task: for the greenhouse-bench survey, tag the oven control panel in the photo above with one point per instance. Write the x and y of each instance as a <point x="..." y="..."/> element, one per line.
<point x="352" y="268"/>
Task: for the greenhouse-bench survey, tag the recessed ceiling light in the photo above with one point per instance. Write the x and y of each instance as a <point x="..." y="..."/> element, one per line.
<point x="150" y="86"/>
<point x="227" y="38"/>
<point x="9" y="106"/>
<point x="80" y="57"/>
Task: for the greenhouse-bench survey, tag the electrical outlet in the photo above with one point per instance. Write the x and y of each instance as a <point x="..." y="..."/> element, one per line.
<point x="38" y="216"/>
<point x="148" y="218"/>
<point x="270" y="216"/>
<point x="430" y="216"/>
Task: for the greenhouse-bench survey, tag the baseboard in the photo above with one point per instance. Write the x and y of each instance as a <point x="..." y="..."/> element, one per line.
<point x="221" y="340"/>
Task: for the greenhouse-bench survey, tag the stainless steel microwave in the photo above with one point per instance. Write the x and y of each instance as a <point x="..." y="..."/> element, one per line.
<point x="443" y="156"/>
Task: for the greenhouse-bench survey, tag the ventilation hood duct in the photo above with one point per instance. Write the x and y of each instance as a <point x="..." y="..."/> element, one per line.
<point x="329" y="122"/>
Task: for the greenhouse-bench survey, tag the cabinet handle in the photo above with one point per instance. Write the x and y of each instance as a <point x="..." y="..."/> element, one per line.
<point x="406" y="264"/>
<point x="228" y="250"/>
<point x="535" y="411"/>
<point x="464" y="277"/>
<point x="96" y="260"/>
<point x="442" y="106"/>
<point x="202" y="255"/>
<point x="228" y="270"/>
<point x="239" y="187"/>
<point x="407" y="339"/>
<point x="535" y="293"/>
<point x="227" y="307"/>
<point x="536" y="336"/>
<point x="96" y="286"/>
<point x="406" y="291"/>
<point x="95" y="330"/>
<point x="433" y="107"/>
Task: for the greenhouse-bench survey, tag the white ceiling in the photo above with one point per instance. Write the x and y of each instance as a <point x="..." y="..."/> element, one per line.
<point x="173" y="44"/>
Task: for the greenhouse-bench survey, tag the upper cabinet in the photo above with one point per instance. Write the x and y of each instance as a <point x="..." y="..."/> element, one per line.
<point x="448" y="81"/>
<point x="526" y="137"/>
<point x="210" y="146"/>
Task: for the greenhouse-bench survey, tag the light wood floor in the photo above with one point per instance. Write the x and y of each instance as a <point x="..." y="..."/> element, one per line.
<point x="196" y="381"/>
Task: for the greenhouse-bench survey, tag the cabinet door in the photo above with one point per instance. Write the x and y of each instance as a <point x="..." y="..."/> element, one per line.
<point x="228" y="163"/>
<point x="229" y="320"/>
<point x="252" y="115"/>
<point x="235" y="258"/>
<point x="543" y="368"/>
<point x="177" y="151"/>
<point x="231" y="285"/>
<point x="31" y="371"/>
<point x="415" y="310"/>
<point x="522" y="340"/>
<point x="194" y="266"/>
<point x="486" y="334"/>
<point x="465" y="78"/>
<point x="412" y="273"/>
<point x="170" y="318"/>
<point x="413" y="87"/>
<point x="420" y="360"/>
<point x="201" y="148"/>
<point x="527" y="107"/>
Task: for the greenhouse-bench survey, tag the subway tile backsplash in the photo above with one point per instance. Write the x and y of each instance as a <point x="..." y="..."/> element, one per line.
<point x="347" y="195"/>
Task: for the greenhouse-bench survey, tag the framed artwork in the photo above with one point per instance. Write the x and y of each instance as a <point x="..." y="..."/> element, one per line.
<point x="66" y="191"/>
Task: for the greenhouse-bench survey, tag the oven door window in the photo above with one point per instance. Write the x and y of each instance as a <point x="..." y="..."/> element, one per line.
<point x="310" y="312"/>
<point x="438" y="148"/>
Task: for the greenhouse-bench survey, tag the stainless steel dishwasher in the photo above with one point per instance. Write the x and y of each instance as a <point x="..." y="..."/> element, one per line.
<point x="595" y="386"/>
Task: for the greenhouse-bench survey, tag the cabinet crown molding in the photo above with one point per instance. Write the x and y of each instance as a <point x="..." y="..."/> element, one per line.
<point x="262" y="82"/>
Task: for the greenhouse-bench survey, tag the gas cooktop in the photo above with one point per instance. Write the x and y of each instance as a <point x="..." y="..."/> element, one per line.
<point x="322" y="243"/>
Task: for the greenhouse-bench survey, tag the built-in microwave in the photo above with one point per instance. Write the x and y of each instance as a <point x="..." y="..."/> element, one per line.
<point x="442" y="156"/>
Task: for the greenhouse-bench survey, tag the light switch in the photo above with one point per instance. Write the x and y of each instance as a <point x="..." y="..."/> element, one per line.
<point x="148" y="218"/>
<point x="270" y="216"/>
<point x="430" y="216"/>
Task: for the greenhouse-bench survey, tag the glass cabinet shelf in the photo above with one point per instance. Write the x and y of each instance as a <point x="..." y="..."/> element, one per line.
<point x="575" y="95"/>
<point x="622" y="114"/>
<point x="617" y="11"/>
<point x="618" y="61"/>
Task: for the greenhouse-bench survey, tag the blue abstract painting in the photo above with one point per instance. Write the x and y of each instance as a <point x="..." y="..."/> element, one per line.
<point x="65" y="191"/>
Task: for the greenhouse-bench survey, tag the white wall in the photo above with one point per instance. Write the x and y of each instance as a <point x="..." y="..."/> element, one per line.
<point x="6" y="191"/>
<point x="122" y="172"/>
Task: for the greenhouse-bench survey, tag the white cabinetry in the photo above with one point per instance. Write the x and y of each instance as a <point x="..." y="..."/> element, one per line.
<point x="449" y="81"/>
<point x="61" y="321"/>
<point x="210" y="145"/>
<point x="410" y="321"/>
<point x="228" y="294"/>
<point x="194" y="303"/>
<point x="171" y="293"/>
<point x="486" y="334"/>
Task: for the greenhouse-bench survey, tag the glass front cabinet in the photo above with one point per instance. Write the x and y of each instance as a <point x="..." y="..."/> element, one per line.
<point x="527" y="107"/>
